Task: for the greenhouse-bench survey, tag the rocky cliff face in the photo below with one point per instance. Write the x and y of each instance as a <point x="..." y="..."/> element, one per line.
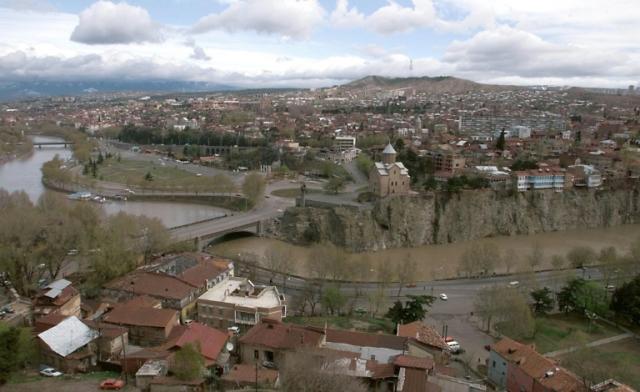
<point x="408" y="221"/>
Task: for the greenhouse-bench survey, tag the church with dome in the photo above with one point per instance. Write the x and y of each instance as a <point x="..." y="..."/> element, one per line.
<point x="388" y="178"/>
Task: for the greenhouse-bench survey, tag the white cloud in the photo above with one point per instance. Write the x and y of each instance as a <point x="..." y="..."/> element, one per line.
<point x="290" y="18"/>
<point x="513" y="53"/>
<point x="345" y="17"/>
<point x="105" y="22"/>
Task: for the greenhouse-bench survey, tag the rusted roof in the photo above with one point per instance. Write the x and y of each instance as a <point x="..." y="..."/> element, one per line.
<point x="409" y="361"/>
<point x="203" y="271"/>
<point x="246" y="374"/>
<point x="153" y="284"/>
<point x="422" y="333"/>
<point x="364" y="339"/>
<point x="278" y="335"/>
<point x="415" y="380"/>
<point x="133" y="314"/>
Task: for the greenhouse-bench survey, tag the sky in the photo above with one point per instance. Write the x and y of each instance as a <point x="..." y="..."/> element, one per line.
<point x="314" y="43"/>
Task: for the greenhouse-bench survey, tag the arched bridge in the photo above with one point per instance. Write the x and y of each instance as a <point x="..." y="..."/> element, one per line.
<point x="203" y="233"/>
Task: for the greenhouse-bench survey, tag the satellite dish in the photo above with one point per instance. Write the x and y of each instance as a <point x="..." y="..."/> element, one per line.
<point x="229" y="346"/>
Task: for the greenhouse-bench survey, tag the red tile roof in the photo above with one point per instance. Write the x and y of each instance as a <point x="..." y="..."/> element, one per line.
<point x="278" y="335"/>
<point x="210" y="340"/>
<point x="538" y="367"/>
<point x="409" y="361"/>
<point x="422" y="333"/>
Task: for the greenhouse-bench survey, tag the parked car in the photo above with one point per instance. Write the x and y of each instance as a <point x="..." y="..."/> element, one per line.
<point x="50" y="372"/>
<point x="410" y="285"/>
<point x="514" y="283"/>
<point x="234" y="329"/>
<point x="454" y="346"/>
<point x="112" y="383"/>
<point x="443" y="297"/>
<point x="611" y="288"/>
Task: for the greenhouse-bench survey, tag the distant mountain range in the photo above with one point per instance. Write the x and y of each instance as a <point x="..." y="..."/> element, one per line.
<point x="10" y="91"/>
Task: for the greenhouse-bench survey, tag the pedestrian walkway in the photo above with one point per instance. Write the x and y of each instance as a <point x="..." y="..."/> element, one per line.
<point x="592" y="344"/>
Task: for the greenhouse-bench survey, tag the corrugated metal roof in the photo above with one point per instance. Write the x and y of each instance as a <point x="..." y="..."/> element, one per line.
<point x="68" y="336"/>
<point x="59" y="284"/>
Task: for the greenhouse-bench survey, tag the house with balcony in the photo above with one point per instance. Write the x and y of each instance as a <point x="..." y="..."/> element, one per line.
<point x="239" y="302"/>
<point x="544" y="178"/>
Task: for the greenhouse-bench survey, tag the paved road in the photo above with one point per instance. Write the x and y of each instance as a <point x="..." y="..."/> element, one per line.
<point x="455" y="312"/>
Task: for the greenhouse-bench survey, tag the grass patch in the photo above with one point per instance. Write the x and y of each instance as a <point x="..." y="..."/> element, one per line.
<point x="359" y="323"/>
<point x="23" y="377"/>
<point x="619" y="360"/>
<point x="292" y="193"/>
<point x="98" y="376"/>
<point x="133" y="172"/>
<point x="559" y="331"/>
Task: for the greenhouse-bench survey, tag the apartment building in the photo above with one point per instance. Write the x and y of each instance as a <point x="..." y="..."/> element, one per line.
<point x="238" y="302"/>
<point x="541" y="179"/>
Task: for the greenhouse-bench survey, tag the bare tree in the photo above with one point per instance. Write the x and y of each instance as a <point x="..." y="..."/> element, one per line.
<point x="318" y="372"/>
<point x="510" y="259"/>
<point x="406" y="271"/>
<point x="536" y="257"/>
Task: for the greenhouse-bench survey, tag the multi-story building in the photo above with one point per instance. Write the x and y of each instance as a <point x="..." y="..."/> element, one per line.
<point x="238" y="302"/>
<point x="585" y="176"/>
<point x="58" y="297"/>
<point x="446" y="160"/>
<point x="514" y="366"/>
<point x="344" y="143"/>
<point x="540" y="179"/>
<point x="389" y="177"/>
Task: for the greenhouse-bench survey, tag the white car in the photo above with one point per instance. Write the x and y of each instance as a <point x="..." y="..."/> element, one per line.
<point x="235" y="330"/>
<point x="454" y="346"/>
<point x="50" y="372"/>
<point x="443" y="297"/>
<point x="515" y="283"/>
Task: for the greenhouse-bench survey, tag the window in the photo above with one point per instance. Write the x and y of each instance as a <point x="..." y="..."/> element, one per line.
<point x="269" y="356"/>
<point x="256" y="354"/>
<point x="494" y="363"/>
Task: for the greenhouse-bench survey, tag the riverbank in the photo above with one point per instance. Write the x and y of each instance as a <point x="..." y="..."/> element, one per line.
<point x="14" y="145"/>
<point x="443" y="261"/>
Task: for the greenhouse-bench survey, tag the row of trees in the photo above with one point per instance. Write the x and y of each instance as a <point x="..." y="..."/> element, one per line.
<point x="35" y="239"/>
<point x="486" y="258"/>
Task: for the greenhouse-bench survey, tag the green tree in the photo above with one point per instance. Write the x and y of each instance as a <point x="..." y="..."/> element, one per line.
<point x="333" y="300"/>
<point x="148" y="176"/>
<point x="542" y="300"/>
<point x="364" y="164"/>
<point x="253" y="187"/>
<point x="414" y="309"/>
<point x="335" y="185"/>
<point x="501" y="141"/>
<point x="583" y="297"/>
<point x="626" y="301"/>
<point x="17" y="350"/>
<point x="188" y="363"/>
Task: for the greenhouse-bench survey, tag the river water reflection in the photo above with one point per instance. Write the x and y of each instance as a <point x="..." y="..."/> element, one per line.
<point x="25" y="175"/>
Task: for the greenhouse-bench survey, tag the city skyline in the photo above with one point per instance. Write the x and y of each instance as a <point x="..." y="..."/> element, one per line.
<point x="288" y="43"/>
